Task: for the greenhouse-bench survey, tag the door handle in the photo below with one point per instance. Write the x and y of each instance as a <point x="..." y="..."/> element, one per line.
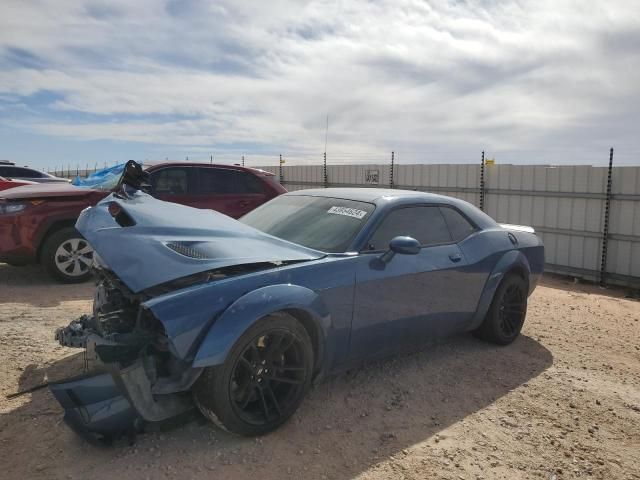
<point x="455" y="257"/>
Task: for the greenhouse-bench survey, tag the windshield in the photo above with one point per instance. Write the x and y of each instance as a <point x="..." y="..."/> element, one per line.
<point x="321" y="223"/>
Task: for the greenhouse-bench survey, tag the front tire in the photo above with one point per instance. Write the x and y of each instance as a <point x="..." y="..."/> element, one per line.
<point x="507" y="312"/>
<point x="67" y="256"/>
<point x="263" y="381"/>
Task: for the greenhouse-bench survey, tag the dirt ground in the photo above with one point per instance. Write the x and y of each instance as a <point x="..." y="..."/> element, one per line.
<point x="562" y="402"/>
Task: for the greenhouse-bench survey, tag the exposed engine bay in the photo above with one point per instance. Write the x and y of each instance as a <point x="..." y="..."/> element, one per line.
<point x="126" y="354"/>
<point x="119" y="330"/>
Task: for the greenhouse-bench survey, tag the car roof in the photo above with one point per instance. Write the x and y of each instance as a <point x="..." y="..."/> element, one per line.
<point x="372" y="195"/>
<point x="153" y="164"/>
<point x="385" y="198"/>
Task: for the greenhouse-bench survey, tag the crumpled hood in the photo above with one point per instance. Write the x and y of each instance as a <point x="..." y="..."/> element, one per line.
<point x="170" y="241"/>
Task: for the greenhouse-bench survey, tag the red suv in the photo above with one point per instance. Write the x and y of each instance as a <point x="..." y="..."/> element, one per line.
<point x="37" y="221"/>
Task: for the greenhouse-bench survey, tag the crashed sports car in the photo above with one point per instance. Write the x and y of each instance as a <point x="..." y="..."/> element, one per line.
<point x="194" y="309"/>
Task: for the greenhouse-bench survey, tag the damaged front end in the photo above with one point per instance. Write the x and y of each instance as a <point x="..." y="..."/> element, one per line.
<point x="135" y="380"/>
<point x="145" y="251"/>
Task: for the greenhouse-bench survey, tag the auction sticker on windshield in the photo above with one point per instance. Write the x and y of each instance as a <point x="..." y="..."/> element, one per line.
<point x="349" y="212"/>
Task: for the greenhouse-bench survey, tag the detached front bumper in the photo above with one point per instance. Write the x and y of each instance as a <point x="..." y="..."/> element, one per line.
<point x="95" y="408"/>
<point x="120" y="400"/>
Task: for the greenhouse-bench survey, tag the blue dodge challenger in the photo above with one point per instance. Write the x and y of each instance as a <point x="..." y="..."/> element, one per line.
<point x="238" y="318"/>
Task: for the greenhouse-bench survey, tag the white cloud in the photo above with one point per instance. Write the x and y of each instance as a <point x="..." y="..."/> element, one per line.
<point x="445" y="77"/>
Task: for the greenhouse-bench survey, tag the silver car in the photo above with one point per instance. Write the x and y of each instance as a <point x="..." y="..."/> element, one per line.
<point x="11" y="170"/>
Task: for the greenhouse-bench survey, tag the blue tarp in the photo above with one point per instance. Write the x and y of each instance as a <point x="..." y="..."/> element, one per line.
<point x="101" y="177"/>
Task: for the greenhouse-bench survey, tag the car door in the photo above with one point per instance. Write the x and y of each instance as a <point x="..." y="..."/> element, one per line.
<point x="173" y="184"/>
<point x="227" y="190"/>
<point x="410" y="298"/>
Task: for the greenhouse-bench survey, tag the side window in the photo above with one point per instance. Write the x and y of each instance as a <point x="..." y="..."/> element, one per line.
<point x="227" y="181"/>
<point x="459" y="226"/>
<point x="251" y="183"/>
<point x="170" y="181"/>
<point x="425" y="224"/>
<point x="29" y="173"/>
<point x="18" y="172"/>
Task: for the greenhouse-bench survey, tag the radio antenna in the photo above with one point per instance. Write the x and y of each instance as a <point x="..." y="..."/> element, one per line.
<point x="326" y="134"/>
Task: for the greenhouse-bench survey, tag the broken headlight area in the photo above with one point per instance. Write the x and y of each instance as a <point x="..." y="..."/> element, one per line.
<point x="132" y="379"/>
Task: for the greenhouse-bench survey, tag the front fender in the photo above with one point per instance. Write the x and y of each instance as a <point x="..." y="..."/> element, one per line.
<point x="510" y="260"/>
<point x="250" y="308"/>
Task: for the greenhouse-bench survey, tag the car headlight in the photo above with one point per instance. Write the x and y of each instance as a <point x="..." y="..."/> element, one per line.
<point x="11" y="208"/>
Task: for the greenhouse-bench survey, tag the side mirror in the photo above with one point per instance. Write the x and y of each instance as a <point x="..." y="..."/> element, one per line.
<point x="403" y="246"/>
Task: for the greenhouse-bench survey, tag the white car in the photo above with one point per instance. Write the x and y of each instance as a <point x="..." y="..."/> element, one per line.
<point x="10" y="170"/>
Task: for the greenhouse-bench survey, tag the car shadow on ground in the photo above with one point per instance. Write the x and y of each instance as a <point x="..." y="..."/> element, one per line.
<point x="17" y="283"/>
<point x="348" y="423"/>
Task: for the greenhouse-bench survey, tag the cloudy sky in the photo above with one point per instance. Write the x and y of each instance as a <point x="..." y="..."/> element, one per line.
<point x="437" y="81"/>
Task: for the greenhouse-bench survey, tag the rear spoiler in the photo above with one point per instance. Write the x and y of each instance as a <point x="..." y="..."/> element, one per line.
<point x="517" y="228"/>
<point x="262" y="172"/>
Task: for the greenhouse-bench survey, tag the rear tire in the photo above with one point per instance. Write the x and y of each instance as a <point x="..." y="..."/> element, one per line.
<point x="67" y="256"/>
<point x="263" y="380"/>
<point x="507" y="312"/>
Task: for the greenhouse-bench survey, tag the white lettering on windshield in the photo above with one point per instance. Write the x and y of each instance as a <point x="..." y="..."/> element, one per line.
<point x="349" y="212"/>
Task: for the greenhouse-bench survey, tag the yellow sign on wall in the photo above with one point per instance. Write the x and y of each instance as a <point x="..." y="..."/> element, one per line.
<point x="490" y="161"/>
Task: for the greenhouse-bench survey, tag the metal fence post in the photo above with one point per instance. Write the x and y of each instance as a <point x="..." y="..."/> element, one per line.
<point x="280" y="170"/>
<point x="605" y="229"/>
<point x="482" y="182"/>
<point x="243" y="160"/>
<point x="393" y="155"/>
<point x="324" y="171"/>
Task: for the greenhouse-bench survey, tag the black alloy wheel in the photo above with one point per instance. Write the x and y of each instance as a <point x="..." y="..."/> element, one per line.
<point x="263" y="380"/>
<point x="512" y="310"/>
<point x="268" y="377"/>
<point x="507" y="312"/>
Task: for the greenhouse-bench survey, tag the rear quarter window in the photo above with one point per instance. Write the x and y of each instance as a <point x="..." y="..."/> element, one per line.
<point x="459" y="226"/>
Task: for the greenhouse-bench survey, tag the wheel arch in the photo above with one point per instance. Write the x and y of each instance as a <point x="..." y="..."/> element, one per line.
<point x="512" y="262"/>
<point x="519" y="270"/>
<point x="303" y="304"/>
<point x="52" y="228"/>
<point x="314" y="331"/>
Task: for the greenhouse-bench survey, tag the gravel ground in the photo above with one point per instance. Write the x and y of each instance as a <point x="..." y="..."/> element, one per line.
<point x="563" y="401"/>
